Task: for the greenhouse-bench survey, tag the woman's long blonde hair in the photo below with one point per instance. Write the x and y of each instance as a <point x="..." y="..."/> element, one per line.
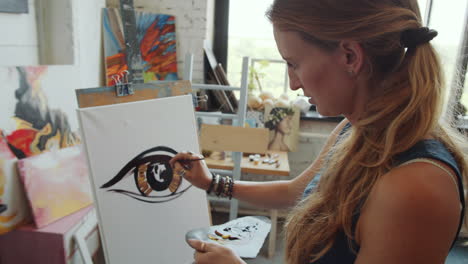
<point x="410" y="96"/>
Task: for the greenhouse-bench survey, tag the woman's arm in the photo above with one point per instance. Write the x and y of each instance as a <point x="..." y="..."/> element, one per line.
<point x="271" y="194"/>
<point x="284" y="193"/>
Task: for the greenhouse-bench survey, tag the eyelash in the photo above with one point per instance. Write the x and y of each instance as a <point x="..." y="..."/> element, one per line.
<point x="291" y="66"/>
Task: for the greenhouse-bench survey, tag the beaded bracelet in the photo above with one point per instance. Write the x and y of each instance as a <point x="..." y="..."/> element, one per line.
<point x="231" y="188"/>
<point x="213" y="181"/>
<point x="226" y="186"/>
<point x="221" y="186"/>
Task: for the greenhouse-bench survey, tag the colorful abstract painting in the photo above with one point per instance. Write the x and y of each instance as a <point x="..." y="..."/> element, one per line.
<point x="283" y="123"/>
<point x="141" y="201"/>
<point x="5" y="151"/>
<point x="14" y="210"/>
<point x="157" y="43"/>
<point x="56" y="184"/>
<point x="38" y="114"/>
<point x="36" y="104"/>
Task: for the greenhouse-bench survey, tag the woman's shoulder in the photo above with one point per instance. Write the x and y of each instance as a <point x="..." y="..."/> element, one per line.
<point x="417" y="203"/>
<point x="425" y="180"/>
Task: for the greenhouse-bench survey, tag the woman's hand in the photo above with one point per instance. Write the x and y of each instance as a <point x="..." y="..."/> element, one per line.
<point x="210" y="253"/>
<point x="193" y="168"/>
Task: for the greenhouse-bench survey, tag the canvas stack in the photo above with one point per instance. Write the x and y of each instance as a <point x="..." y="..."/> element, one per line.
<point x="44" y="184"/>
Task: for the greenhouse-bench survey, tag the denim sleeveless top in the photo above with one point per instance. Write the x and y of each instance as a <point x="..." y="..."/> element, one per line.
<point x="341" y="251"/>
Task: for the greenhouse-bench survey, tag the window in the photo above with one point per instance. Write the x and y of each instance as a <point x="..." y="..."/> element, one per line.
<point x="464" y="98"/>
<point x="250" y="34"/>
<point x="451" y="34"/>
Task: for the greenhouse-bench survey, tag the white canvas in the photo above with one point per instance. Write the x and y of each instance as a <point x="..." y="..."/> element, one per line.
<point x="134" y="231"/>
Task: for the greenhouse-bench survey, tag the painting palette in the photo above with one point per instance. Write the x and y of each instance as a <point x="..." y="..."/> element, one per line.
<point x="245" y="235"/>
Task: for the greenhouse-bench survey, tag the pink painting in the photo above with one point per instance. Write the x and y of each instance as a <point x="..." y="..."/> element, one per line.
<point x="56" y="184"/>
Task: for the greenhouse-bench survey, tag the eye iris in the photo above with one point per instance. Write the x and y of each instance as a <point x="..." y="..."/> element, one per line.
<point x="176" y="180"/>
<point x="142" y="183"/>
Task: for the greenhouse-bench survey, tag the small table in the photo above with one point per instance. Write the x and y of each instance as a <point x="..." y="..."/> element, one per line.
<point x="249" y="167"/>
<point x="262" y="169"/>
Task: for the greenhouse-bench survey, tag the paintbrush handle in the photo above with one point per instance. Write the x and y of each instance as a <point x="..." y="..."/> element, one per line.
<point x="190" y="160"/>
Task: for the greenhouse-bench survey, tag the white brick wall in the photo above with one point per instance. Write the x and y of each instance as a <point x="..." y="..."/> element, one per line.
<point x="192" y="28"/>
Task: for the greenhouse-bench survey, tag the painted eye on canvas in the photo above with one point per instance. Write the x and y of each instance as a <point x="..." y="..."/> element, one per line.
<point x="154" y="178"/>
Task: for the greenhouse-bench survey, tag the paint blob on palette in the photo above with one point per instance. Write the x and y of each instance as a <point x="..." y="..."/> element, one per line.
<point x="56" y="184"/>
<point x="157" y="45"/>
<point x="245" y="235"/>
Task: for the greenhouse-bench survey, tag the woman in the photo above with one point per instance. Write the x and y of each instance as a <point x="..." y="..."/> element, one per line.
<point x="279" y="120"/>
<point x="387" y="187"/>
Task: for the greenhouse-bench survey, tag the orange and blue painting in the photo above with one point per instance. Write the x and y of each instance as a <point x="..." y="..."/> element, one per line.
<point x="157" y="42"/>
<point x="56" y="184"/>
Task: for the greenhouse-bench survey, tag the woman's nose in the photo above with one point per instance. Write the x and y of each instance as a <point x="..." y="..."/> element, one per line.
<point x="294" y="82"/>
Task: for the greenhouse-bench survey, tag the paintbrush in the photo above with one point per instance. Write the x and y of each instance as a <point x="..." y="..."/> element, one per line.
<point x="186" y="162"/>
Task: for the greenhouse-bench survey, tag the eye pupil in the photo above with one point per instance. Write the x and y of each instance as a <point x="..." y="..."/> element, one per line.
<point x="159" y="176"/>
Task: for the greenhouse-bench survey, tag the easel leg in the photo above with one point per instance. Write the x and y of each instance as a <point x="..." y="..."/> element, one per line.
<point x="272" y="238"/>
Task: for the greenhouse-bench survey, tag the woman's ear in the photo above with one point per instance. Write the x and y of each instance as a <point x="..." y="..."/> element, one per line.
<point x="352" y="56"/>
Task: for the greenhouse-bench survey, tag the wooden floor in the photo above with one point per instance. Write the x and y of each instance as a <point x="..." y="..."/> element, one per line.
<point x="458" y="255"/>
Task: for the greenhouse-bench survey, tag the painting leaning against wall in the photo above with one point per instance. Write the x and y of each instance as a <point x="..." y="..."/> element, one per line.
<point x="56" y="184"/>
<point x="36" y="126"/>
<point x="157" y="44"/>
<point x="37" y="106"/>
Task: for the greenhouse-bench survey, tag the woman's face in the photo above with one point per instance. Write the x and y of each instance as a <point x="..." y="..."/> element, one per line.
<point x="322" y="75"/>
<point x="285" y="126"/>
